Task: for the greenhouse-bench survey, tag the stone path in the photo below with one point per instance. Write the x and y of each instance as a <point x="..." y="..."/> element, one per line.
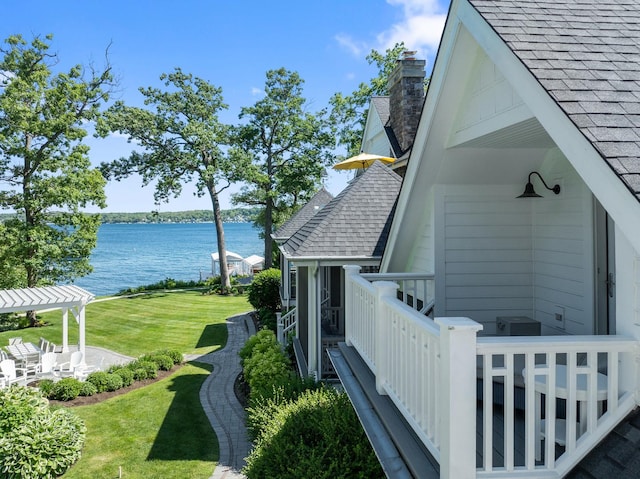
<point x="219" y="401"/>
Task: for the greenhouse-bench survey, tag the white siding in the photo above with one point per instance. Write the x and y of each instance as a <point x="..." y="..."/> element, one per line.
<point x="487" y="255"/>
<point x="563" y="254"/>
<point x="422" y="261"/>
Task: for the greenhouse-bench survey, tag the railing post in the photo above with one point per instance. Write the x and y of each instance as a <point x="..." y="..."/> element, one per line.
<point x="458" y="396"/>
<point x="350" y="271"/>
<point x="279" y="328"/>
<point x="384" y="289"/>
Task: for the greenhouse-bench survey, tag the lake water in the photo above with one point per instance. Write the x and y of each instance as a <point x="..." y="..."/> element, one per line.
<point x="130" y="255"/>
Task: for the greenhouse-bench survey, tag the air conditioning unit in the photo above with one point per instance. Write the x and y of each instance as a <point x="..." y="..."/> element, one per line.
<point x="517" y="326"/>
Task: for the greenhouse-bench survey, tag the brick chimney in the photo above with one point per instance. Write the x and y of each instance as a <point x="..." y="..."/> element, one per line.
<point x="406" y="96"/>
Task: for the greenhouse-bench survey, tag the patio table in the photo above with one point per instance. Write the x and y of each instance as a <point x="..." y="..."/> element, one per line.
<point x="28" y="354"/>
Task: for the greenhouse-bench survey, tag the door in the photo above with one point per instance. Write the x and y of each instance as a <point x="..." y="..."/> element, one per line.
<point x="605" y="272"/>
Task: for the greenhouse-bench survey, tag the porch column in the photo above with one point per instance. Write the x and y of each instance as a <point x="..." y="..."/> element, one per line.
<point x="350" y="271"/>
<point x="458" y="397"/>
<point x="81" y="332"/>
<point x="313" y="323"/>
<point x="65" y="330"/>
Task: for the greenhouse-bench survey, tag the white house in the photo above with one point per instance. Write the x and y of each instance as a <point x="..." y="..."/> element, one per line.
<point x="546" y="92"/>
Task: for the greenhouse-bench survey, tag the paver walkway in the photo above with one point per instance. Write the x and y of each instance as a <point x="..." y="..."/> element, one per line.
<point x="219" y="400"/>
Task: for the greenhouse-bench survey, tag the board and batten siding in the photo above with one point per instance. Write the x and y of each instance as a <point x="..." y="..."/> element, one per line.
<point x="486" y="267"/>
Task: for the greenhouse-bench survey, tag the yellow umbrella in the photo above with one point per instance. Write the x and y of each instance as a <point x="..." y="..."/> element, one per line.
<point x="362" y="160"/>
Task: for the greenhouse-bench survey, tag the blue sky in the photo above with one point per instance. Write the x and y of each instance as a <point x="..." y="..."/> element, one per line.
<point x="232" y="44"/>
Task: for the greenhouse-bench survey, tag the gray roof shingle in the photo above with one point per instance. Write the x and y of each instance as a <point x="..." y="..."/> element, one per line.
<point x="586" y="54"/>
<point x="355" y="223"/>
<point x="304" y="214"/>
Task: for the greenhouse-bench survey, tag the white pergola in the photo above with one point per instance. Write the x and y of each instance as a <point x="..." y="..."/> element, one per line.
<point x="66" y="298"/>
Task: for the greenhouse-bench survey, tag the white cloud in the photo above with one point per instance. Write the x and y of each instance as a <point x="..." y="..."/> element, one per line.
<point x="356" y="48"/>
<point x="420" y="28"/>
<point x="256" y="91"/>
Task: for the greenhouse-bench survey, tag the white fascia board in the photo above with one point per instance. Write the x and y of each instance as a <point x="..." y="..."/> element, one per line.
<point x="619" y="202"/>
<point x="400" y="227"/>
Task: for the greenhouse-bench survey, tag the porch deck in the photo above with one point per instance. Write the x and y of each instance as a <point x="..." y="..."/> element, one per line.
<point x="400" y="451"/>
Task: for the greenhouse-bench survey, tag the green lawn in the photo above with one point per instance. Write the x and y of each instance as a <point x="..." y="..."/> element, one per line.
<point x="186" y="320"/>
<point x="156" y="431"/>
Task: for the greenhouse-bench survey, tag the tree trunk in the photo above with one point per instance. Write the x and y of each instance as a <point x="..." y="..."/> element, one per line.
<point x="268" y="226"/>
<point x="225" y="281"/>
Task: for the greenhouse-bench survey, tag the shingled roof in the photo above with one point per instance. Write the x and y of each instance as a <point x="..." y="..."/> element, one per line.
<point x="586" y="54"/>
<point x="304" y="214"/>
<point x="355" y="224"/>
<point x="381" y="105"/>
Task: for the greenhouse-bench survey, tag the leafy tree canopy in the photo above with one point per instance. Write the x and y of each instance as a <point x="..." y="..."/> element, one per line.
<point x="288" y="147"/>
<point x="182" y="141"/>
<point x="349" y="112"/>
<point x="45" y="173"/>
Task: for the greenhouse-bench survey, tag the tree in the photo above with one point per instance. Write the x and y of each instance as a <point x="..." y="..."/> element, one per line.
<point x="182" y="139"/>
<point x="288" y="147"/>
<point x="45" y="171"/>
<point x="349" y="113"/>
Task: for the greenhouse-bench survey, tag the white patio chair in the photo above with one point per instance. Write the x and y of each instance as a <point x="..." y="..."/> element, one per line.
<point x="46" y="365"/>
<point x="68" y="368"/>
<point x="9" y="373"/>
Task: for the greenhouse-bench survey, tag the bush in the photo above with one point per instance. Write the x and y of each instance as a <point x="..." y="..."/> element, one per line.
<point x="99" y="379"/>
<point x="126" y="375"/>
<point x="318" y="435"/>
<point x="66" y="389"/>
<point x="164" y="362"/>
<point x="260" y="341"/>
<point x="114" y="382"/>
<point x="263" y="408"/>
<point x="44" y="446"/>
<point x="88" y="389"/>
<point x="174" y="354"/>
<point x="139" y="374"/>
<point x="264" y="364"/>
<point x="45" y="386"/>
<point x="18" y="405"/>
<point x="264" y="291"/>
<point x="268" y="319"/>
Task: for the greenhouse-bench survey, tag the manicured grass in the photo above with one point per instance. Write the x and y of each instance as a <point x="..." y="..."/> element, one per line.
<point x="184" y="320"/>
<point x="156" y="431"/>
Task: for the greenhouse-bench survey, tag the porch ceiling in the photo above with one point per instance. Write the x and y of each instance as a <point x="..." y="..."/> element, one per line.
<point x="525" y="134"/>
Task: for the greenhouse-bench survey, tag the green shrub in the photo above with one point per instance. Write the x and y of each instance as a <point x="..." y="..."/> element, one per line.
<point x="114" y="382"/>
<point x="263" y="408"/>
<point x="88" y="389"/>
<point x="264" y="291"/>
<point x="66" y="389"/>
<point x="126" y="375"/>
<point x="18" y="405"/>
<point x="318" y="435"/>
<point x="139" y="374"/>
<point x="164" y="362"/>
<point x="150" y="367"/>
<point x="45" y="386"/>
<point x="99" y="379"/>
<point x="261" y="341"/>
<point x="174" y="354"/>
<point x="39" y="443"/>
<point x="268" y="319"/>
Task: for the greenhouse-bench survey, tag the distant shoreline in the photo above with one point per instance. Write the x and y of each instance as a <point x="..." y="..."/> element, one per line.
<point x="235" y="215"/>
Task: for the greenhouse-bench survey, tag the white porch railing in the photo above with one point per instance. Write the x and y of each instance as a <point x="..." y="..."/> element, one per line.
<point x="286" y="323"/>
<point x="415" y="289"/>
<point x="431" y="368"/>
